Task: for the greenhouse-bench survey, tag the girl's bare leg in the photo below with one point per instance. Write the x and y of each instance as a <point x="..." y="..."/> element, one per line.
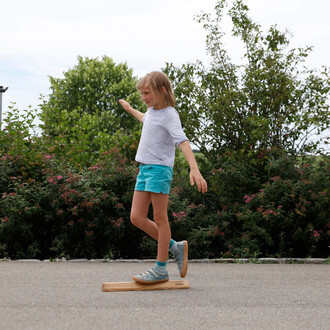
<point x="160" y="229"/>
<point x="160" y="203"/>
<point x="139" y="212"/>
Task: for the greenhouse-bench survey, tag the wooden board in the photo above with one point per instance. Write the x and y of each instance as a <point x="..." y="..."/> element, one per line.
<point x="134" y="286"/>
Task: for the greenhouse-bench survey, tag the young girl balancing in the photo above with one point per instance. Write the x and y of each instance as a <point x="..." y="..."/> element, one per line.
<point x="161" y="131"/>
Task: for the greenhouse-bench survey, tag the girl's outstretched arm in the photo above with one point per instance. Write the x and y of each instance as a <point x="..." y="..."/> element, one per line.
<point x="195" y="175"/>
<point x="137" y="114"/>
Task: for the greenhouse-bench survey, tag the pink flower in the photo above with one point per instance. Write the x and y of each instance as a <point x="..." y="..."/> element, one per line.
<point x="220" y="169"/>
<point x="59" y="177"/>
<point x="276" y="178"/>
<point x="48" y="157"/>
<point x="119" y="222"/>
<point x="93" y="168"/>
<point x="248" y="199"/>
<point x="316" y="234"/>
<point x="178" y="216"/>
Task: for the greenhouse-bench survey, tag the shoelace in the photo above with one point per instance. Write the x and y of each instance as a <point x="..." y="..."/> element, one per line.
<point x="152" y="271"/>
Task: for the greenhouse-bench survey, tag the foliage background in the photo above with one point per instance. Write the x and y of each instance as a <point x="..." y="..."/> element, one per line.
<point x="67" y="192"/>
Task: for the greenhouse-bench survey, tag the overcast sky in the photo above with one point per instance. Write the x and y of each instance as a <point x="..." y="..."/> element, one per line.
<point x="41" y="38"/>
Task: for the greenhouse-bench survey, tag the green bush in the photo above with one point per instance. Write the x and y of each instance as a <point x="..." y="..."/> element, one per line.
<point x="280" y="212"/>
<point x="263" y="204"/>
<point x="56" y="204"/>
<point x="289" y="215"/>
<point x="65" y="213"/>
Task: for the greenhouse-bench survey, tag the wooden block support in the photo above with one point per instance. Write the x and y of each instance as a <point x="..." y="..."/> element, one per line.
<point x="133" y="286"/>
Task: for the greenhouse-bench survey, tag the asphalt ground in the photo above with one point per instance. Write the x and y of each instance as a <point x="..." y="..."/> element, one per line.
<point x="68" y="295"/>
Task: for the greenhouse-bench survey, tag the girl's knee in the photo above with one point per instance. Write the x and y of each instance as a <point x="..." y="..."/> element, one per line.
<point x="160" y="219"/>
<point x="136" y="220"/>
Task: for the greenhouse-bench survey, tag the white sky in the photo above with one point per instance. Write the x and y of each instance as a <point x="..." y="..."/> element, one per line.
<point x="41" y="38"/>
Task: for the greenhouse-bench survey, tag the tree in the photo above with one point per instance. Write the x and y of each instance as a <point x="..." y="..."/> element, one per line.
<point x="269" y="101"/>
<point x="83" y="109"/>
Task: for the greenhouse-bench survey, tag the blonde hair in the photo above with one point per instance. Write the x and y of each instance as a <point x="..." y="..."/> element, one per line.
<point x="155" y="81"/>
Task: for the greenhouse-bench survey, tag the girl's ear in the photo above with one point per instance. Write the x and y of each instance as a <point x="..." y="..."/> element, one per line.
<point x="164" y="89"/>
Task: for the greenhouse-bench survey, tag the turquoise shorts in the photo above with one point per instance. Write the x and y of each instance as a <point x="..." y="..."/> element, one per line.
<point x="154" y="178"/>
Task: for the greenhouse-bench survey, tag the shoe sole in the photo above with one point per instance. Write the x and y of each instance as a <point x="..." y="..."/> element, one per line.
<point x="185" y="259"/>
<point x="148" y="282"/>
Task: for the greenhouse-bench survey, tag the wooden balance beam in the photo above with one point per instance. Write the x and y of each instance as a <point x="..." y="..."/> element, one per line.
<point x="134" y="286"/>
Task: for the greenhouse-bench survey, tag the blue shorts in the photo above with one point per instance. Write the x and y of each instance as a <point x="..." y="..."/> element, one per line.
<point x="154" y="178"/>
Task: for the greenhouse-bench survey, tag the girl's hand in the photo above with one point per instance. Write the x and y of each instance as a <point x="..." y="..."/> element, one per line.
<point x="196" y="177"/>
<point x="137" y="114"/>
<point x="125" y="105"/>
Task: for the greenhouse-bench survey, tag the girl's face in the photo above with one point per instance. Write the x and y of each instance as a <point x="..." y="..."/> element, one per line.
<point x="148" y="97"/>
<point x="151" y="100"/>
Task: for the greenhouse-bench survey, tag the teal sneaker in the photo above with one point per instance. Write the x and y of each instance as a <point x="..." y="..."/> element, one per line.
<point x="151" y="276"/>
<point x="180" y="255"/>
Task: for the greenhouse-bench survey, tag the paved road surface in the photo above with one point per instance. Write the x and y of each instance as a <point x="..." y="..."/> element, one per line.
<point x="67" y="295"/>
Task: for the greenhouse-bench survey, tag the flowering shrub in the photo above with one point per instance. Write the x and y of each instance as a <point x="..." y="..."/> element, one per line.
<point x="255" y="207"/>
<point x="49" y="209"/>
<point x="55" y="204"/>
<point x="290" y="216"/>
<point x="69" y="214"/>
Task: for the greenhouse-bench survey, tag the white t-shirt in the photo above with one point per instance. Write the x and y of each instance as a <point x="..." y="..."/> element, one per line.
<point x="161" y="131"/>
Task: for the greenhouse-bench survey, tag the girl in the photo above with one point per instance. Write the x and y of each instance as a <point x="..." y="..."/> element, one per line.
<point x="161" y="131"/>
